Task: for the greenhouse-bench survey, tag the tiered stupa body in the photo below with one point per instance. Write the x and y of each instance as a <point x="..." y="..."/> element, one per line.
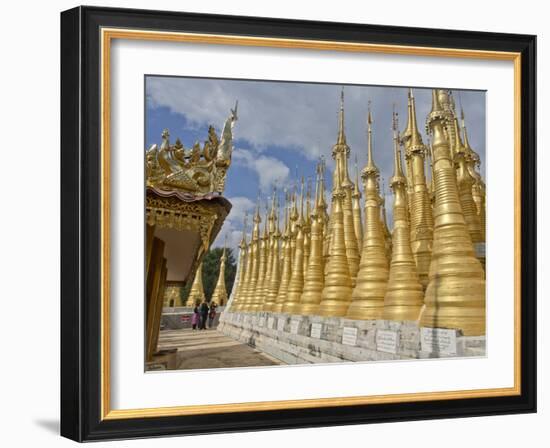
<point x="254" y="262"/>
<point x="340" y="153"/>
<point x="420" y="209"/>
<point x="219" y="296"/>
<point x="275" y="273"/>
<point x="370" y="289"/>
<point x="404" y="295"/>
<point x="286" y="261"/>
<point x="314" y="278"/>
<point x="296" y="282"/>
<point x="196" y="294"/>
<point x="455" y="297"/>
<point x="238" y="287"/>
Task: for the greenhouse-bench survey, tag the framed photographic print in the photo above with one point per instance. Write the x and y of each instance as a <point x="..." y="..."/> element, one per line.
<point x="277" y="224"/>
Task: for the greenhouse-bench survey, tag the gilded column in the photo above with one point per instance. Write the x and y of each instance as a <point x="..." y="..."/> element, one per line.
<point x="275" y="275"/>
<point x="356" y="199"/>
<point x="384" y="222"/>
<point x="219" y="295"/>
<point x="420" y="210"/>
<point x="263" y="243"/>
<point x="455" y="297"/>
<point x="296" y="283"/>
<point x="307" y="227"/>
<point x="269" y="250"/>
<point x="478" y="192"/>
<point x="340" y="153"/>
<point x="337" y="290"/>
<point x="465" y="182"/>
<point x="255" y="261"/>
<point x="368" y="294"/>
<point x="314" y="278"/>
<point x="286" y="261"/>
<point x="404" y="294"/>
<point x="197" y="289"/>
<point x="238" y="288"/>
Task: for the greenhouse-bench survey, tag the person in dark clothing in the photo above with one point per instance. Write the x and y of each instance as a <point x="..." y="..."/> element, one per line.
<point x="204" y="315"/>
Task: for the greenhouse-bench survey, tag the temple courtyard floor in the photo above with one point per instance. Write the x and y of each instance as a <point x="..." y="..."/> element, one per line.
<point x="210" y="349"/>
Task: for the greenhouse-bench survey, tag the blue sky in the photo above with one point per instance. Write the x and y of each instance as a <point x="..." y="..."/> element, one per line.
<point x="284" y="127"/>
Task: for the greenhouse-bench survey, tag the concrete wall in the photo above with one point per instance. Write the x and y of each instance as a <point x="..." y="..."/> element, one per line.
<point x="313" y="339"/>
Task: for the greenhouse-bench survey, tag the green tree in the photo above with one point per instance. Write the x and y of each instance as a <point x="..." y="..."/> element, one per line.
<point x="211" y="270"/>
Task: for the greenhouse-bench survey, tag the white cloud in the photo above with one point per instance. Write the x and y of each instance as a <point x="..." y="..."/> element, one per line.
<point x="270" y="170"/>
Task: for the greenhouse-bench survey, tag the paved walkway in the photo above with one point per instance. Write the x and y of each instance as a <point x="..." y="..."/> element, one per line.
<point x="210" y="349"/>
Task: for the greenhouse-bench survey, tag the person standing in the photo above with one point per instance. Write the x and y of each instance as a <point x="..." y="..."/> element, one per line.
<point x="212" y="314"/>
<point x="204" y="315"/>
<point x="195" y="319"/>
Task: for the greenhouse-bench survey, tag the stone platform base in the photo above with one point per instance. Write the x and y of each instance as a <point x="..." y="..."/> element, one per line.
<point x="297" y="339"/>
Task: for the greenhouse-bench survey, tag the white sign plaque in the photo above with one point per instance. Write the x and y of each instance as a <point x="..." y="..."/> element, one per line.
<point x="316" y="330"/>
<point x="281" y="324"/>
<point x="438" y="340"/>
<point x="294" y="324"/>
<point x="270" y="322"/>
<point x="386" y="341"/>
<point x="349" y="336"/>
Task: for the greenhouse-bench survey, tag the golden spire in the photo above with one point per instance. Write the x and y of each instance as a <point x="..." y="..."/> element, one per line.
<point x="219" y="296"/>
<point x="263" y="244"/>
<point x="341" y="140"/>
<point x="307" y="225"/>
<point x="274" y="273"/>
<point x="255" y="260"/>
<point x="269" y="249"/>
<point x="478" y="189"/>
<point x="341" y="181"/>
<point x="371" y="166"/>
<point x="337" y="289"/>
<point x="368" y="294"/>
<point x="455" y="297"/>
<point x="296" y="283"/>
<point x="238" y="288"/>
<point x="385" y="230"/>
<point x="404" y="295"/>
<point x="286" y="260"/>
<point x="196" y="295"/>
<point x="356" y="207"/>
<point x="420" y="209"/>
<point x="465" y="182"/>
<point x="314" y="277"/>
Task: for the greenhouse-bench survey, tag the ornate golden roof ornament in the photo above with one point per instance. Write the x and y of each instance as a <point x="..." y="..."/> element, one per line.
<point x="368" y="294"/>
<point x="196" y="170"/>
<point x="404" y="295"/>
<point x="455" y="296"/>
